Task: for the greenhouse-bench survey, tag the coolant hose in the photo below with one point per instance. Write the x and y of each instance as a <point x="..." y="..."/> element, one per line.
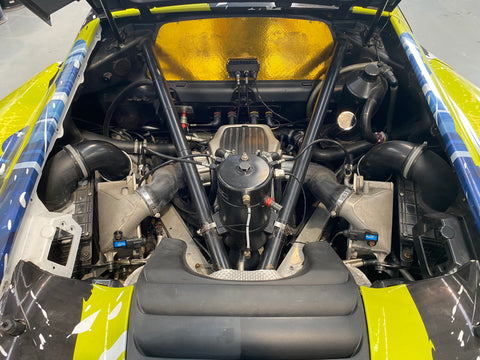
<point x="369" y="109"/>
<point x="74" y="163"/>
<point x="432" y="175"/>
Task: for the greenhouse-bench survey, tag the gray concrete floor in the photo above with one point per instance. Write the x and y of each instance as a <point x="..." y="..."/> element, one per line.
<point x="28" y="45"/>
<point x="448" y="29"/>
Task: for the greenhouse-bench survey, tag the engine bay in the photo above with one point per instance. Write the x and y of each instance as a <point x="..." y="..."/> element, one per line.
<point x="247" y="158"/>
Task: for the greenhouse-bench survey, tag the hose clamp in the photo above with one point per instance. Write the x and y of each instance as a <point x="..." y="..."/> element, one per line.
<point x="78" y="159"/>
<point x="341" y="199"/>
<point x="206" y="228"/>
<point x="411" y="159"/>
<point x="149" y="201"/>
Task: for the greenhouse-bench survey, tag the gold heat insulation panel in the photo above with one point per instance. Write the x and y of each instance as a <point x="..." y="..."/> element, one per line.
<point x="287" y="49"/>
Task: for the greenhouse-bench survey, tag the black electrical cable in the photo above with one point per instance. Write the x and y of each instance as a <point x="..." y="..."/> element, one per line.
<point x="171" y="160"/>
<point x="180" y="159"/>
<point x="151" y="171"/>
<point x="268" y="107"/>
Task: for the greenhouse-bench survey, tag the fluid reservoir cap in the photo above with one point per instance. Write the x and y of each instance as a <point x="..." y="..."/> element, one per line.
<point x="371" y="72"/>
<point x="239" y="175"/>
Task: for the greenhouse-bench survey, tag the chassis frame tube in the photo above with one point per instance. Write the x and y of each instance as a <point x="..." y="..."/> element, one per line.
<point x="275" y="244"/>
<point x="197" y="191"/>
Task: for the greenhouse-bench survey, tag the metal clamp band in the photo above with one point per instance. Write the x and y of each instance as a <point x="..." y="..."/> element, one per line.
<point x="341" y="199"/>
<point x="149" y="201"/>
<point x="78" y="158"/>
<point x="411" y="159"/>
<point x="207" y="227"/>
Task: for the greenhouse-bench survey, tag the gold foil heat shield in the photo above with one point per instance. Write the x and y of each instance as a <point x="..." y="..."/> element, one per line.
<point x="287" y="49"/>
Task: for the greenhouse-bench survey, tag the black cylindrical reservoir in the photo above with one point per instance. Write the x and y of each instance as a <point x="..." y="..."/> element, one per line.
<point x="241" y="175"/>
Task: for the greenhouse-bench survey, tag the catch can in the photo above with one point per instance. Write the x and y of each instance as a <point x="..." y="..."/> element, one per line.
<point x="241" y="175"/>
<point x="360" y="85"/>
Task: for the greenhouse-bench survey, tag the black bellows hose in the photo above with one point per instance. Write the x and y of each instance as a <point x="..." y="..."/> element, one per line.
<point x="74" y="163"/>
<point x="432" y="175"/>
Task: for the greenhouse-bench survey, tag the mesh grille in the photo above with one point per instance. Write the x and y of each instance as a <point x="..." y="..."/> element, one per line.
<point x="237" y="275"/>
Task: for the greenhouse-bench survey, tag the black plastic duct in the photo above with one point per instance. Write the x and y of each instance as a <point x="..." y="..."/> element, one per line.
<point x="74" y="163"/>
<point x="432" y="175"/>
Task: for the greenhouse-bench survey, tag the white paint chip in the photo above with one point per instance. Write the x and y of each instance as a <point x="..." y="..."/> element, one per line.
<point x="86" y="324"/>
<point x="22" y="200"/>
<point x="42" y="341"/>
<point x="117" y="348"/>
<point x="114" y="313"/>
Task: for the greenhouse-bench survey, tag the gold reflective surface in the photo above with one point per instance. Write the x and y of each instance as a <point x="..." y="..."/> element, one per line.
<point x="287" y="49"/>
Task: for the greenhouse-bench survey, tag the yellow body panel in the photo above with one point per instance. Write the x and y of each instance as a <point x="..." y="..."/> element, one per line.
<point x="287" y="49"/>
<point x="163" y="10"/>
<point x="102" y="331"/>
<point x="395" y="328"/>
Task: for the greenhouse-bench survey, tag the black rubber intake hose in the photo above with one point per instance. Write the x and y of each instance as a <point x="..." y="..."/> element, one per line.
<point x="432" y="175"/>
<point x="165" y="183"/>
<point x="74" y="163"/>
<point x="323" y="184"/>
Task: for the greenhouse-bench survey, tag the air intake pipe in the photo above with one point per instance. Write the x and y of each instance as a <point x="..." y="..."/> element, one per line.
<point x="148" y="200"/>
<point x="74" y="163"/>
<point x="431" y="174"/>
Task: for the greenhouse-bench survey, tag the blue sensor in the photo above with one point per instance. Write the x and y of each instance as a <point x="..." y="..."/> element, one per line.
<point x="372" y="237"/>
<point x="119" y="244"/>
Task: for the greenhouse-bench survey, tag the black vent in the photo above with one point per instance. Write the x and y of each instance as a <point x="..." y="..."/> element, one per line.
<point x="244" y="139"/>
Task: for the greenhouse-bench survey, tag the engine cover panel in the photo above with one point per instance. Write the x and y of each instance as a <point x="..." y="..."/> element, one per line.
<point x="316" y="314"/>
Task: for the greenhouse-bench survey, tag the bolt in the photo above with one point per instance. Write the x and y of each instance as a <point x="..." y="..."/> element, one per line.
<point x="244" y="157"/>
<point x="198" y="266"/>
<point x="371" y="243"/>
<point x="107" y="76"/>
<point x="246" y="200"/>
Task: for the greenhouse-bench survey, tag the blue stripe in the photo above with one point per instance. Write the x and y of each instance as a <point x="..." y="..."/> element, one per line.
<point x="468" y="173"/>
<point x="23" y="178"/>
